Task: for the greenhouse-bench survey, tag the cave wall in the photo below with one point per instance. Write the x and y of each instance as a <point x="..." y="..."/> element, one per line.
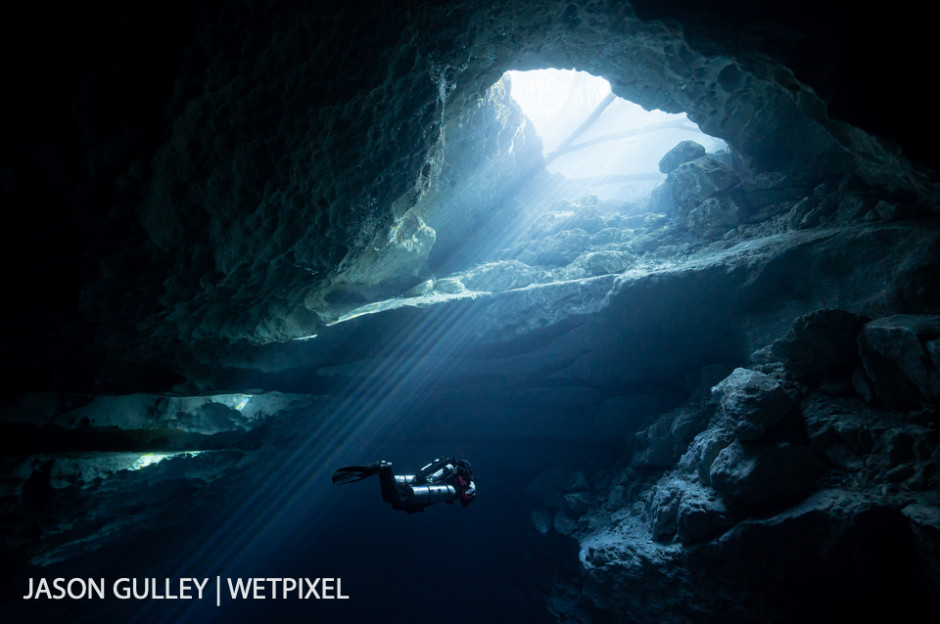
<point x="218" y="181"/>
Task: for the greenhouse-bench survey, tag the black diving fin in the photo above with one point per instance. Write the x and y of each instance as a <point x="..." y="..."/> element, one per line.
<point x="348" y="474"/>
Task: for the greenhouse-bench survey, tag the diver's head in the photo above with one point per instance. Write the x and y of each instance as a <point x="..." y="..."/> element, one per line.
<point x="468" y="494"/>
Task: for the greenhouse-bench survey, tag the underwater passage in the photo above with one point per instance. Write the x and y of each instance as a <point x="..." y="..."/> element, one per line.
<point x="664" y="271"/>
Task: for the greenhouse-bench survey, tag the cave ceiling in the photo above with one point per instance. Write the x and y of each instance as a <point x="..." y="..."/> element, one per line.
<point x="210" y="173"/>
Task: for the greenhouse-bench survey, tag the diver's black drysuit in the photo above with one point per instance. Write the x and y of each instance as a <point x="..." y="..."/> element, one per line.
<point x="443" y="480"/>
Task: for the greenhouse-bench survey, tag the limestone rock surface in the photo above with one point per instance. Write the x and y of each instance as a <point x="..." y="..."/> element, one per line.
<point x="752" y="401"/>
<point x="682" y="153"/>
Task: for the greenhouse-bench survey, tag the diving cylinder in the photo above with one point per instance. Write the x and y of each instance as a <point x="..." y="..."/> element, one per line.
<point x="431" y="493"/>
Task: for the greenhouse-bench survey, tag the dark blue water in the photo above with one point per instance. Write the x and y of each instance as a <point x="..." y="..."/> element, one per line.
<point x="278" y="514"/>
<point x="480" y="563"/>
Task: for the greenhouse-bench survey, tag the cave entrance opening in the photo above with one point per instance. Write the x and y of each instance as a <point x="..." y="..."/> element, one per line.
<point x="546" y="179"/>
<point x="604" y="145"/>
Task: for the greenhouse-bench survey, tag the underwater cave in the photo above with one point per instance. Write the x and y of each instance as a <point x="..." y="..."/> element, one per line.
<point x="688" y="335"/>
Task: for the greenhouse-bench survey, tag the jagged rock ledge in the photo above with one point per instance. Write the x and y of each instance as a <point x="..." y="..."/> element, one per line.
<point x="816" y="487"/>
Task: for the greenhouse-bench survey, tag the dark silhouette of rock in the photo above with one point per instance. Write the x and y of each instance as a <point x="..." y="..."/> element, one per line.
<point x="899" y="354"/>
<point x="821" y="344"/>
<point x="756" y="477"/>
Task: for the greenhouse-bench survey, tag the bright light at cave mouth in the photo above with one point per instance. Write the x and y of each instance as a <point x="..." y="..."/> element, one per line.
<point x="609" y="145"/>
<point x="149" y="459"/>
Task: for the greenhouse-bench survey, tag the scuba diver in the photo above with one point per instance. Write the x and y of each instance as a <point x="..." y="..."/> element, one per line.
<point x="443" y="480"/>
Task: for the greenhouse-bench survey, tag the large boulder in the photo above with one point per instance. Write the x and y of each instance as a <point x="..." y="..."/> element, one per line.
<point x="713" y="217"/>
<point x="752" y="401"/>
<point x="821" y="344"/>
<point x="759" y="477"/>
<point x="696" y="195"/>
<point x="602" y="262"/>
<point x="901" y="357"/>
<point x="686" y="511"/>
<point x="684" y="152"/>
<point x="691" y="183"/>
